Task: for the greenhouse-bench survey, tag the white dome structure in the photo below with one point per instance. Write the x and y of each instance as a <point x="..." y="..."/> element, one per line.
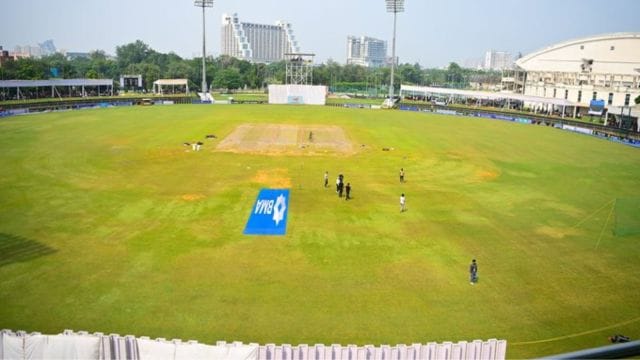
<point x="603" y="67"/>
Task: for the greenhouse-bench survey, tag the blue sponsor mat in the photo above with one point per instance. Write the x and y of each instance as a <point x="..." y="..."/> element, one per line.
<point x="269" y="213"/>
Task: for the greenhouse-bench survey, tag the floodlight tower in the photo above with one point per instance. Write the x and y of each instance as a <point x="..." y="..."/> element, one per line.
<point x="203" y="4"/>
<point x="395" y="7"/>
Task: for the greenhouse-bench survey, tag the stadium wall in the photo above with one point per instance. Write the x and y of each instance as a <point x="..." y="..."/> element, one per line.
<point x="298" y="94"/>
<point x="622" y="136"/>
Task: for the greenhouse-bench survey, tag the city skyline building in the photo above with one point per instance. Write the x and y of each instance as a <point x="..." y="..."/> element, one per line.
<point x="497" y="60"/>
<point x="260" y="43"/>
<point x="27" y="51"/>
<point x="366" y="51"/>
<point x="47" y="48"/>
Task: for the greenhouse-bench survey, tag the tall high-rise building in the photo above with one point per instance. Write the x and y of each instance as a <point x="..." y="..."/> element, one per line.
<point x="498" y="60"/>
<point x="257" y="42"/>
<point x="27" y="51"/>
<point x="366" y="51"/>
<point x="47" y="48"/>
<point x="4" y="55"/>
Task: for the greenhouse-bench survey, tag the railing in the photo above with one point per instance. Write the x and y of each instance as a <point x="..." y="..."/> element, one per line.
<point x="618" y="351"/>
<point x="115" y="347"/>
<point x="620" y="135"/>
<point x="624" y="133"/>
<point x="55" y="104"/>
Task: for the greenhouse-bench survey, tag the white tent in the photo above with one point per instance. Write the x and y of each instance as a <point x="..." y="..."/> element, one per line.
<point x="54" y="84"/>
<point x="158" y="84"/>
<point x="534" y="101"/>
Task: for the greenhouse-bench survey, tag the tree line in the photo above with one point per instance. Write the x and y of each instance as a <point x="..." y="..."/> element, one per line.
<point x="225" y="72"/>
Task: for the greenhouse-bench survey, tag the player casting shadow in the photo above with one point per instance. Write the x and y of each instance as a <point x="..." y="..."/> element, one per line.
<point x="14" y="248"/>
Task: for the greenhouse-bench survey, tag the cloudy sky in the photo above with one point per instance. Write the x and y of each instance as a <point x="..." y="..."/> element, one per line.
<point x="432" y="33"/>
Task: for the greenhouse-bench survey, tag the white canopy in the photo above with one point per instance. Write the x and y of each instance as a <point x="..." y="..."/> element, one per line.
<point x="426" y="90"/>
<point x="158" y="84"/>
<point x="54" y="82"/>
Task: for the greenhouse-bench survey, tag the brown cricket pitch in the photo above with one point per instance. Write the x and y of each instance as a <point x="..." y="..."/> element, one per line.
<point x="285" y="139"/>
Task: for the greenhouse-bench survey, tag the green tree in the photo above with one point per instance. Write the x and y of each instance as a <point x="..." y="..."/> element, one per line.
<point x="133" y="53"/>
<point x="195" y="72"/>
<point x="354" y="73"/>
<point x="276" y="73"/>
<point x="102" y="65"/>
<point x="80" y="67"/>
<point x="58" y="61"/>
<point x="260" y="72"/>
<point x="31" y="69"/>
<point x="454" y="74"/>
<point x="227" y="79"/>
<point x="411" y="74"/>
<point x="178" y="70"/>
<point x="252" y="77"/>
<point x="435" y="77"/>
<point x="637" y="100"/>
<point x="321" y="75"/>
<point x="92" y="74"/>
<point x="149" y="72"/>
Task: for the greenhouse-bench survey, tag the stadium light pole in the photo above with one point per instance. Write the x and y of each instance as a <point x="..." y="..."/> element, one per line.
<point x="395" y="7"/>
<point x="204" y="4"/>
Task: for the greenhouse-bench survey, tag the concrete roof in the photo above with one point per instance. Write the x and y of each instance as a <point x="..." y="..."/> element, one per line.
<point x="613" y="36"/>
<point x="617" y="53"/>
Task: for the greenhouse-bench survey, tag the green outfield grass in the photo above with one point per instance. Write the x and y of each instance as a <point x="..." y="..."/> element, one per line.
<point x="108" y="224"/>
<point x="258" y="96"/>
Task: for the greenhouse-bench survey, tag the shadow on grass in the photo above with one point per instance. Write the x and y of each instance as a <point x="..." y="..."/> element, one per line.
<point x="15" y="249"/>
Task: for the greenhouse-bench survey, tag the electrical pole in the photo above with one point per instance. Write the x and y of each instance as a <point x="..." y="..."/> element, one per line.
<point x="204" y="4"/>
<point x="394" y="6"/>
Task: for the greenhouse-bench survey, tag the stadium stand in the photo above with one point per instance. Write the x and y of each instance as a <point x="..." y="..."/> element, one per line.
<point x="82" y="345"/>
<point x="35" y="89"/>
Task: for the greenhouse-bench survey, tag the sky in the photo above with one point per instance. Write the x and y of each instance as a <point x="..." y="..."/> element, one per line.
<point x="431" y="33"/>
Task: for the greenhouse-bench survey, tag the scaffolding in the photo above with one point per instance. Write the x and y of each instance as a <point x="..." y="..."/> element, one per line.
<point x="299" y="68"/>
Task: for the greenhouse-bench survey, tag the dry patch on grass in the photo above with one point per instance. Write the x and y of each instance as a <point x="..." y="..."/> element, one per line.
<point x="117" y="142"/>
<point x="411" y="273"/>
<point x="192" y="197"/>
<point x="280" y="139"/>
<point x="275" y="178"/>
<point x="471" y="165"/>
<point x="163" y="154"/>
<point x="486" y="175"/>
<point x="556" y="232"/>
<point x="566" y="209"/>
